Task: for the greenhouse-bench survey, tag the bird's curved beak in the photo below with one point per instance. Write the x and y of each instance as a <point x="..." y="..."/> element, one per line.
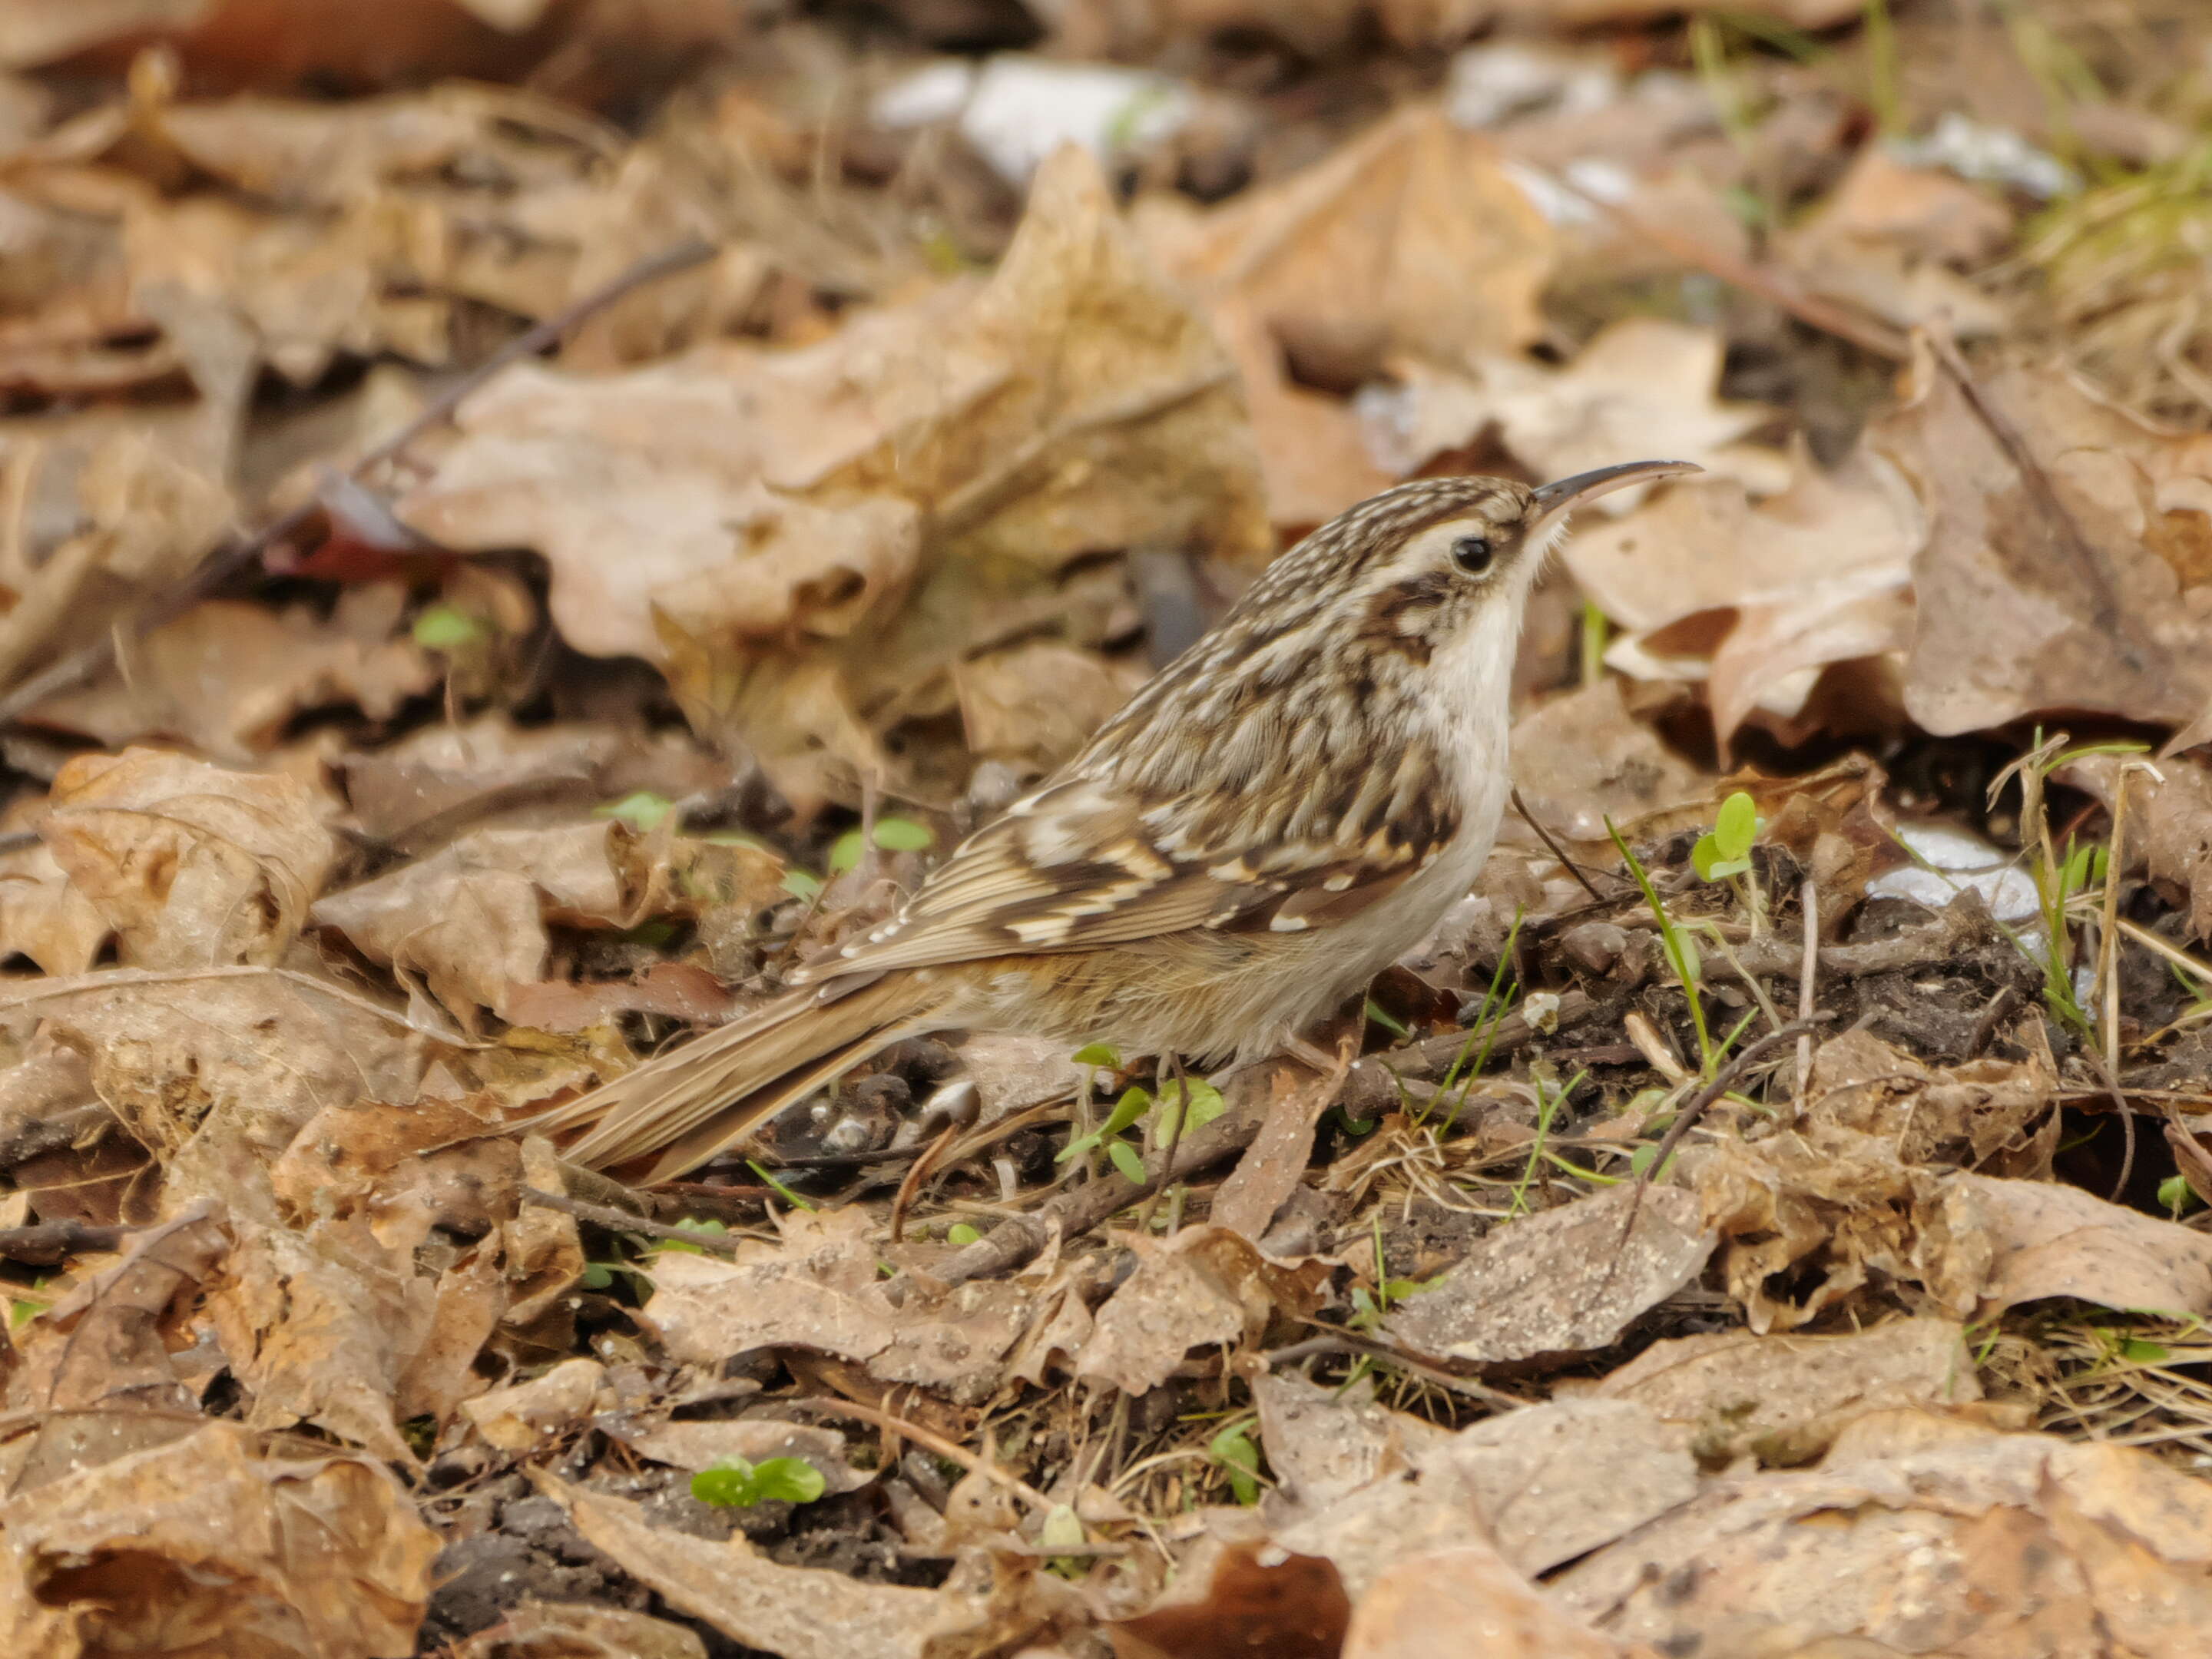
<point x="1552" y="502"/>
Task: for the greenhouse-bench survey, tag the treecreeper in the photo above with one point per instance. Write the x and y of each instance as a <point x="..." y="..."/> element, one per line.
<point x="1275" y="816"/>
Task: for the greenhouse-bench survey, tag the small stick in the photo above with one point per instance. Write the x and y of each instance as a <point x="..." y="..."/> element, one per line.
<point x="620" y="1221"/>
<point x="1808" y="897"/>
<point x="218" y="566"/>
<point x="1553" y="846"/>
<point x="936" y="1443"/>
<point x="1746" y="1058"/>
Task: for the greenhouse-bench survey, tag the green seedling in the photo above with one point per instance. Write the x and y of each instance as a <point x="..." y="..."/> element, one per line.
<point x="1206" y="1105"/>
<point x="893" y="834"/>
<point x="1723" y="853"/>
<point x="2177" y="1197"/>
<point x="684" y="1247"/>
<point x="1548" y="1102"/>
<point x="732" y="1483"/>
<point x="450" y="629"/>
<point x="1367" y="1311"/>
<point x="641" y="810"/>
<point x="1239" y="1459"/>
<point x="782" y="1191"/>
<point x="961" y="1233"/>
<point x="1679" y="948"/>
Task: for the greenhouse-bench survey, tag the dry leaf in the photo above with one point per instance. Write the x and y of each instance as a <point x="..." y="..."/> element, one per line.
<point x="1563" y="1281"/>
<point x="2169" y="824"/>
<point x="1581" y="758"/>
<point x="1272" y="1167"/>
<point x="2082" y="583"/>
<point x="577" y="1630"/>
<point x="1259" y="1599"/>
<point x="193" y="867"/>
<point x="1470" y="1591"/>
<point x="1411" y="240"/>
<point x="213" y="1547"/>
<point x="2040" y="1239"/>
<point x="471" y="919"/>
<point x="1070" y="402"/>
<point x="1554" y="1481"/>
<point x="227" y="677"/>
<point x="1981" y="1114"/>
<point x="1782" y="1399"/>
<point x="795" y="1613"/>
<point x="527" y="1417"/>
<point x="1640" y="388"/>
<point x="1204" y="1287"/>
<point x="1325" y="1443"/>
<point x="46" y="916"/>
<point x="1989" y="1546"/>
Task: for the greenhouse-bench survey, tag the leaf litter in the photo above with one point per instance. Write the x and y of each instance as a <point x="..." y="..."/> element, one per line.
<point x="402" y="739"/>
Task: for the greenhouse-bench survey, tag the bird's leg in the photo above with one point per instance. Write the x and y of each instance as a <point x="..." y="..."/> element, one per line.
<point x="1175" y="1139"/>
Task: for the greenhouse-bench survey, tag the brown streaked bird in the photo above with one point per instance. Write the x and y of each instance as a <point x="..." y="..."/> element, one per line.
<point x="1275" y="816"/>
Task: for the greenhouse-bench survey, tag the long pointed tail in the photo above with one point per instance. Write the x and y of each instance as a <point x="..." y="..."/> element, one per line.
<point x="693" y="1102"/>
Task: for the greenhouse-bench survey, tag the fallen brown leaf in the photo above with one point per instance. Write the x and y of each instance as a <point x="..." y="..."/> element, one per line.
<point x="2064" y="567"/>
<point x="576" y="1630"/>
<point x="1782" y="1399"/>
<point x="1995" y="1545"/>
<point x="216" y="1544"/>
<point x="1259" y="1599"/>
<point x="193" y="867"/>
<point x="1470" y="1591"/>
<point x="1582" y="757"/>
<point x="1563" y="1281"/>
<point x="1204" y="1287"/>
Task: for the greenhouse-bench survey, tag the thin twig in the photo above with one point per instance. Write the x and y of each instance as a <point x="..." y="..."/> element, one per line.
<point x="1553" y="846"/>
<point x="1694" y="1108"/>
<point x="933" y="1442"/>
<point x="218" y="566"/>
<point x="1335" y="1342"/>
<point x="620" y="1221"/>
<point x="1808" y="899"/>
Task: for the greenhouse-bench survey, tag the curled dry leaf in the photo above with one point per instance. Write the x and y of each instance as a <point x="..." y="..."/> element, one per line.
<point x="1203" y="1287"/>
<point x="1325" y="1443"/>
<point x="1070" y="402"/>
<point x="1470" y="1590"/>
<point x="1759" y="600"/>
<point x="1563" y="1281"/>
<point x="1997" y="1115"/>
<point x="1887" y="237"/>
<point x="577" y="1630"/>
<point x="1411" y="240"/>
<point x="1582" y="757"/>
<point x="2169" y="824"/>
<point x="45" y="915"/>
<point x="1640" y="388"/>
<point x="795" y="1613"/>
<point x="471" y="918"/>
<point x="1988" y="1545"/>
<point x="193" y="867"/>
<point x="2040" y="1239"/>
<point x="525" y="1417"/>
<point x="215" y="1532"/>
<point x="228" y="677"/>
<point x="2066" y="566"/>
<point x="1258" y="1598"/>
<point x="1782" y="1399"/>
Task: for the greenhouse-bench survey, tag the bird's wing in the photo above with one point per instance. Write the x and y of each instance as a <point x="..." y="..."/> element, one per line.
<point x="1079" y="865"/>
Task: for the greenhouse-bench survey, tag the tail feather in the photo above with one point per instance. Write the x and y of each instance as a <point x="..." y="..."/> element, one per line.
<point x="692" y="1104"/>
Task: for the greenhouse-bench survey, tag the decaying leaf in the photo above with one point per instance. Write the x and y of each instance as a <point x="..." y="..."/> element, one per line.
<point x="2065" y="565"/>
<point x="1203" y="1287"/>
<point x="1470" y="1590"/>
<point x="1582" y="757"/>
<point x="1258" y="1598"/>
<point x="1070" y="402"/>
<point x="1985" y="1545"/>
<point x="1323" y="1444"/>
<point x="577" y="1630"/>
<point x="227" y="677"/>
<point x="1641" y="389"/>
<point x="1566" y="1280"/>
<point x="192" y="865"/>
<point x="215" y="1543"/>
<point x="525" y="1417"/>
<point x="1782" y="1399"/>
<point x="2168" y="826"/>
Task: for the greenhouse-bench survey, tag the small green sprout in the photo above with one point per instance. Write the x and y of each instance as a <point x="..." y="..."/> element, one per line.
<point x="1103" y="1055"/>
<point x="1725" y="850"/>
<point x="1232" y="1448"/>
<point x="641" y="810"/>
<point x="1134" y="1102"/>
<point x="893" y="834"/>
<point x="449" y="628"/>
<point x="1063" y="1530"/>
<point x="1206" y="1105"/>
<point x="961" y="1233"/>
<point x="732" y="1483"/>
<point x="2176" y="1196"/>
<point x="684" y="1247"/>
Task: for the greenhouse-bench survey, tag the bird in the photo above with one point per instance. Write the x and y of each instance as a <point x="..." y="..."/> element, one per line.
<point x="1271" y="819"/>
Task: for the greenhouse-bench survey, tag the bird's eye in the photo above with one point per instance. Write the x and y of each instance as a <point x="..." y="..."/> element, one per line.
<point x="1472" y="553"/>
